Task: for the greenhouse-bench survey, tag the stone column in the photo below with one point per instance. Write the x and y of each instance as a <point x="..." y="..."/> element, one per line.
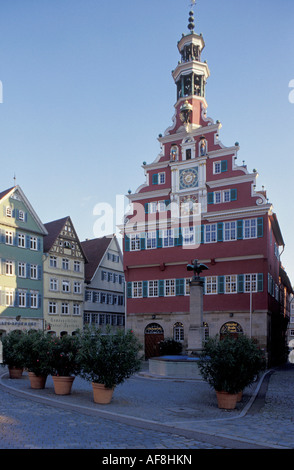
<point x="196" y="329"/>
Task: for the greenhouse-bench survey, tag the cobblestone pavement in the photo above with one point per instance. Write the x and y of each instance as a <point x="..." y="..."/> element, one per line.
<point x="147" y="413"/>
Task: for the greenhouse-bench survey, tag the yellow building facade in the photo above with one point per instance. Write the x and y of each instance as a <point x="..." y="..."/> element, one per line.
<point x="64" y="273"/>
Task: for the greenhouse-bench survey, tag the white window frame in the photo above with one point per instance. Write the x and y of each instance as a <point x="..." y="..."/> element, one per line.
<point x="21" y="216"/>
<point x="210" y="232"/>
<point x="187" y="286"/>
<point x="66" y="286"/>
<point x="34" y="243"/>
<point x="231" y="284"/>
<point x="22" y="299"/>
<point x="77" y="266"/>
<point x="8" y="238"/>
<point x="34" y="299"/>
<point x="135" y="242"/>
<point x="217" y="168"/>
<point x="188" y="236"/>
<point x="153" y="289"/>
<point x="170" y="288"/>
<point x="21" y="240"/>
<point x="76" y="309"/>
<point x="9" y="297"/>
<point x="168" y="238"/>
<point x="9" y="268"/>
<point x="230" y="231"/>
<point x="52" y="308"/>
<point x="65" y="308"/>
<point x="77" y="287"/>
<point x="65" y="264"/>
<point x="161" y="178"/>
<point x="218" y="197"/>
<point x="34" y="271"/>
<point x="54" y="284"/>
<point x="250" y="283"/>
<point x="211" y="285"/>
<point x="151" y="241"/>
<point x="137" y="289"/>
<point x="250" y="229"/>
<point x="53" y="261"/>
<point x="21" y="269"/>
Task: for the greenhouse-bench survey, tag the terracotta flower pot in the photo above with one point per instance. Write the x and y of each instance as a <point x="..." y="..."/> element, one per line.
<point x="62" y="385"/>
<point x="240" y="396"/>
<point x="226" y="401"/>
<point x="15" y="372"/>
<point x="37" y="381"/>
<point x="101" y="394"/>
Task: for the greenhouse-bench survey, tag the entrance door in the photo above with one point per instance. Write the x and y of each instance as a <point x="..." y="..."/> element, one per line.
<point x="231" y="328"/>
<point x="153" y="335"/>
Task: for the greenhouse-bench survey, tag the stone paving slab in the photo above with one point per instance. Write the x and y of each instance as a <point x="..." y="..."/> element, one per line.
<point x="184" y="407"/>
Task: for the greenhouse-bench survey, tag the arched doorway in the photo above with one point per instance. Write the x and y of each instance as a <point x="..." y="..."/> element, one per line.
<point x="231" y="328"/>
<point x="153" y="335"/>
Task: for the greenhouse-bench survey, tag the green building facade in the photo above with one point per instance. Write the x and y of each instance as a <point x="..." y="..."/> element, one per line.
<point x="21" y="263"/>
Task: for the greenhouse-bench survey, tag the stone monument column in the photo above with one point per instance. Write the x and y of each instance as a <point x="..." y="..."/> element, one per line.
<point x="196" y="329"/>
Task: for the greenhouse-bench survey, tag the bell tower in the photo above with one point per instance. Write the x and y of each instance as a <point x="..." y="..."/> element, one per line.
<point x="190" y="76"/>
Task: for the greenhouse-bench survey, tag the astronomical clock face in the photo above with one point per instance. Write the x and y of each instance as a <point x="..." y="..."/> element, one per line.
<point x="189" y="178"/>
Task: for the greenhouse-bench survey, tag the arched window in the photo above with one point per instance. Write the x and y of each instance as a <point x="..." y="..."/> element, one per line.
<point x="231" y="328"/>
<point x="178" y="331"/>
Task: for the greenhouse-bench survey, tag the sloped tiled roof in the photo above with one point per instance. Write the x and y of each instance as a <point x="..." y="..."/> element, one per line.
<point x="53" y="228"/>
<point x="94" y="251"/>
<point x="3" y="193"/>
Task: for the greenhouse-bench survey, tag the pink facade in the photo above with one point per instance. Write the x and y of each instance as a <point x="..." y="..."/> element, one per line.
<point x="198" y="203"/>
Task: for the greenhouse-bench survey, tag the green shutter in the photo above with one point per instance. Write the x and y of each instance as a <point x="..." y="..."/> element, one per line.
<point x="202" y="234"/>
<point x="145" y="289"/>
<point x="180" y="238"/>
<point x="159" y="238"/>
<point x="221" y="284"/>
<point x="161" y="288"/>
<point x="129" y="290"/>
<point x="234" y="193"/>
<point x="142" y="242"/>
<point x="260" y="227"/>
<point x="210" y="198"/>
<point x="240" y="229"/>
<point x="260" y="282"/>
<point x="155" y="179"/>
<point x="127" y="243"/>
<point x="147" y="208"/>
<point x="224" y="166"/>
<point x="220" y="232"/>
<point x="241" y="283"/>
<point x="180" y="286"/>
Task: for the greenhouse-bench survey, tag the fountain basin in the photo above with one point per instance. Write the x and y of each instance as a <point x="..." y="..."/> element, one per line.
<point x="182" y="367"/>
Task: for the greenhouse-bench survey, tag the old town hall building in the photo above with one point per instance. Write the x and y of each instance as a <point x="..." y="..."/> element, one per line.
<point x="198" y="203"/>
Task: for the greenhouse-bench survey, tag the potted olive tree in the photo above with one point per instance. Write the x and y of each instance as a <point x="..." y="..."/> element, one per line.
<point x="14" y="353"/>
<point x="37" y="355"/>
<point x="229" y="365"/>
<point x="107" y="360"/>
<point x="63" y="363"/>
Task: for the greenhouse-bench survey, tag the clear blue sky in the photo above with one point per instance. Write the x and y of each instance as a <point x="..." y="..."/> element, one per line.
<point x="87" y="88"/>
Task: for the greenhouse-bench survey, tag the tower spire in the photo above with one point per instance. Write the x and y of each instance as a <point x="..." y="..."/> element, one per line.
<point x="191" y="24"/>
